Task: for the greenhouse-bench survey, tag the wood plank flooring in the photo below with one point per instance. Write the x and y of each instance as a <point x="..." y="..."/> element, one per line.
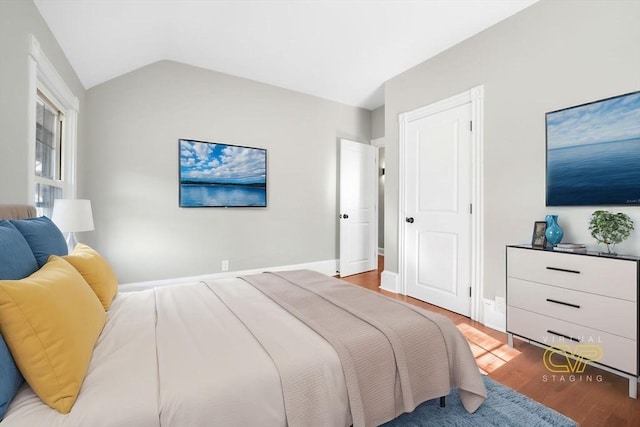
<point x="595" y="398"/>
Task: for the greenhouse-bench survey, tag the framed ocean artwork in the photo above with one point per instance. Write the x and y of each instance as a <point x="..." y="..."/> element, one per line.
<point x="221" y="175"/>
<point x="593" y="153"/>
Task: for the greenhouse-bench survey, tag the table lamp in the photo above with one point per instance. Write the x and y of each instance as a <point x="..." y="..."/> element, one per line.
<point x="71" y="216"/>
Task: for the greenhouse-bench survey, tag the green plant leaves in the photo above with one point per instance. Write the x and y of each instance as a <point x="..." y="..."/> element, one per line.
<point x="610" y="228"/>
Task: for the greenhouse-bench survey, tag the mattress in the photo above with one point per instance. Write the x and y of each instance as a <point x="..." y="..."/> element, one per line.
<point x="227" y="353"/>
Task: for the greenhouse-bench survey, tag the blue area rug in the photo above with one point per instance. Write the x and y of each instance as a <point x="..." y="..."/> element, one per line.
<point x="503" y="407"/>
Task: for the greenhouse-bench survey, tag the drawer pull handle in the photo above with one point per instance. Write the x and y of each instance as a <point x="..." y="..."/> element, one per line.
<point x="563" y="270"/>
<point x="563" y="303"/>
<point x="563" y="335"/>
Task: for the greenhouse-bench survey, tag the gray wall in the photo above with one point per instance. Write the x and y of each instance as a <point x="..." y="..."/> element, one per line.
<point x="130" y="169"/>
<point x="552" y="55"/>
<point x="19" y="19"/>
<point x="377" y="123"/>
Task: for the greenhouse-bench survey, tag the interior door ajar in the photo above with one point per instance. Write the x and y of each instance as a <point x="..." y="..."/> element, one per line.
<point x="358" y="207"/>
<point x="437" y="225"/>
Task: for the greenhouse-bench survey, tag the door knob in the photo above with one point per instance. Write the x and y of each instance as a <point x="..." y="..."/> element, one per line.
<point x="409" y="219"/>
<point x="345" y="216"/>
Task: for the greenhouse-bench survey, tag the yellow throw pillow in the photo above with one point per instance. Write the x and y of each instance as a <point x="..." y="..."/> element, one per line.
<point x="51" y="321"/>
<point x="96" y="271"/>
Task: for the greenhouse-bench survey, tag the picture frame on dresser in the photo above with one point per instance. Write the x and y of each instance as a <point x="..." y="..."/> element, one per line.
<point x="538" y="237"/>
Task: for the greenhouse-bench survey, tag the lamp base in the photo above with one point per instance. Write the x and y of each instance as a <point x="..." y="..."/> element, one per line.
<point x="71" y="242"/>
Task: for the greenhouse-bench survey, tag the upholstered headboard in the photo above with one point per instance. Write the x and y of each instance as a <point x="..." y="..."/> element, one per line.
<point x="17" y="211"/>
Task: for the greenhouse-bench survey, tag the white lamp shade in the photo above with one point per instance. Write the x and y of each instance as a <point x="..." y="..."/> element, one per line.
<point x="71" y="215"/>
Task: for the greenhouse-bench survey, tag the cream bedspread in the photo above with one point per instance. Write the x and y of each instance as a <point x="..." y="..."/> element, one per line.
<point x="222" y="353"/>
<point x="178" y="356"/>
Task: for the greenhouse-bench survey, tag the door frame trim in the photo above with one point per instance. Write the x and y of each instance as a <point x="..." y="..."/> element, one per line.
<point x="475" y="97"/>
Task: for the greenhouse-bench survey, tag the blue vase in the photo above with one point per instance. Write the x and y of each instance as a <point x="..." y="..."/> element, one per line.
<point x="554" y="233"/>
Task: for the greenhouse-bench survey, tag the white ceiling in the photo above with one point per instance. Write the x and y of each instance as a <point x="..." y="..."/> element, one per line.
<point x="338" y="50"/>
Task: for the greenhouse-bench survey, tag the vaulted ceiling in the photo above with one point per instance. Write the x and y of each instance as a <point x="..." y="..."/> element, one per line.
<point x="338" y="50"/>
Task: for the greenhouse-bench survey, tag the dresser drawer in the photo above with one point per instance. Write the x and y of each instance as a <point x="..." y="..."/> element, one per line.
<point x="612" y="315"/>
<point x="611" y="277"/>
<point x="576" y="307"/>
<point x="617" y="352"/>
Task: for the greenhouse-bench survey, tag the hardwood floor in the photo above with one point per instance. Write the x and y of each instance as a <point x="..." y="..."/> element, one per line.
<point x="594" y="398"/>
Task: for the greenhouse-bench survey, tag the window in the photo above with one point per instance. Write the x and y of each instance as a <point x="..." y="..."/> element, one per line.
<point x="53" y="132"/>
<point x="48" y="158"/>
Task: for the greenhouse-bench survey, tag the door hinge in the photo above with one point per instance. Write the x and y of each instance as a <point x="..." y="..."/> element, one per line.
<point x="469" y="291"/>
<point x="470" y="208"/>
<point x="471" y="125"/>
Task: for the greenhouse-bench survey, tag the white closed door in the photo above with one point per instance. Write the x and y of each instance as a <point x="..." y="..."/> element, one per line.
<point x="358" y="213"/>
<point x="437" y="216"/>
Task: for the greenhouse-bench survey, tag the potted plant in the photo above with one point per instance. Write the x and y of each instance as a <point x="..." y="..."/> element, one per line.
<point x="610" y="228"/>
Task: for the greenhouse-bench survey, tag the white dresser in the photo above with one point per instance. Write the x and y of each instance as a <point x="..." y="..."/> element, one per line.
<point x="583" y="304"/>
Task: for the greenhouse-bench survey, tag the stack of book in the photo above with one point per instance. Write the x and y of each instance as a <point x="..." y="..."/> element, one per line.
<point x="570" y="247"/>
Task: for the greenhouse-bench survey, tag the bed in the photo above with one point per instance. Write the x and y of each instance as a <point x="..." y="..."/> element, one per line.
<point x="290" y="348"/>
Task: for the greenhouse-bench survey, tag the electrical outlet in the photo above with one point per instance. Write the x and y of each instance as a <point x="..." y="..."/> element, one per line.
<point x="225" y="265"/>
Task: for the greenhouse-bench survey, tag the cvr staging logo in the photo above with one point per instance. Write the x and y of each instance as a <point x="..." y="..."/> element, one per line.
<point x="571" y="360"/>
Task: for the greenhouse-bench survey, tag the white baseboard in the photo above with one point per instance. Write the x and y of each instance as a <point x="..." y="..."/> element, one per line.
<point x="328" y="267"/>
<point x="381" y="251"/>
<point x="494" y="317"/>
<point x="389" y="281"/>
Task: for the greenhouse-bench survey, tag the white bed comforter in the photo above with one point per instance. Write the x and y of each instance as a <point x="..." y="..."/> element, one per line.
<point x="179" y="356"/>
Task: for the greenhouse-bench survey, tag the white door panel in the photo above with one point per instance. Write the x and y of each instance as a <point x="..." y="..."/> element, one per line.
<point x="358" y="210"/>
<point x="439" y="271"/>
<point x="441" y="175"/>
<point x="437" y="238"/>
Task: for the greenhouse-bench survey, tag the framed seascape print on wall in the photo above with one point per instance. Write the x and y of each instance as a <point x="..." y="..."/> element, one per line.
<point x="538" y="238"/>
<point x="593" y="153"/>
<point x="221" y="175"/>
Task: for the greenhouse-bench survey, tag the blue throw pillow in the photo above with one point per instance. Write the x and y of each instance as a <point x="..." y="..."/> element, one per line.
<point x="16" y="262"/>
<point x="44" y="238"/>
<point x="16" y="258"/>
<point x="10" y="378"/>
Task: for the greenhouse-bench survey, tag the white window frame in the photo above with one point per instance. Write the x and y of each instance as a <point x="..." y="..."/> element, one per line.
<point x="44" y="78"/>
